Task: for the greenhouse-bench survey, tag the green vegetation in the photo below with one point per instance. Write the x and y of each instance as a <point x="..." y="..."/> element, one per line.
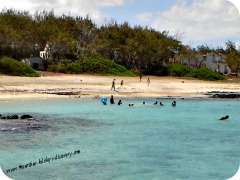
<point x="206" y="74"/>
<point x="103" y="66"/>
<point x="178" y="70"/>
<point x="94" y="65"/>
<point x="15" y="68"/>
<point x="78" y="45"/>
<point x="201" y="73"/>
<point x="23" y="35"/>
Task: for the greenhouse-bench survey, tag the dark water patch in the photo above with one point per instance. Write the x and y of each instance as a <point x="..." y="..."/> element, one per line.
<point x="46" y="122"/>
<point x="80" y="122"/>
<point x="69" y="123"/>
<point x="36" y="122"/>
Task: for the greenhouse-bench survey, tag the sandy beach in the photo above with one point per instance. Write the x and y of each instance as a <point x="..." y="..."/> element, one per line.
<point x="65" y="85"/>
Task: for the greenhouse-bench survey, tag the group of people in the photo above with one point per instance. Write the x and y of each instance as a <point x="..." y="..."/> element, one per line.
<point x="112" y="101"/>
<point x="121" y="83"/>
<point x="174" y="103"/>
<point x="155" y="103"/>
<point x="161" y="104"/>
<point x="113" y="84"/>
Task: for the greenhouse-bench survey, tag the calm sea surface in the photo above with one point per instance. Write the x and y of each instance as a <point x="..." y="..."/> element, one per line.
<point x="79" y="138"/>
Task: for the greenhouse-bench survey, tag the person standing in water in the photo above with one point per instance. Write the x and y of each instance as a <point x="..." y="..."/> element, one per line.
<point x="112" y="100"/>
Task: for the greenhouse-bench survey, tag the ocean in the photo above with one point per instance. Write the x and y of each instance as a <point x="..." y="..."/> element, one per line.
<point x="80" y="138"/>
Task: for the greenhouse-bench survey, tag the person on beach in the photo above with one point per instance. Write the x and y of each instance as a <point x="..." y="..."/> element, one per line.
<point x="113" y="85"/>
<point x="140" y="76"/>
<point x="174" y="103"/>
<point x="148" y="81"/>
<point x="119" y="102"/>
<point x="112" y="100"/>
<point x="122" y="83"/>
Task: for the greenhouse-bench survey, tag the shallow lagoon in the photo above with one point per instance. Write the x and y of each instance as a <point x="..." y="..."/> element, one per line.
<point x="121" y="142"/>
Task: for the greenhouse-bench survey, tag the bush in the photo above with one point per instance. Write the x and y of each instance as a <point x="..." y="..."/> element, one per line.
<point x="93" y="65"/>
<point x="178" y="70"/>
<point x="75" y="67"/>
<point x="206" y="74"/>
<point x="185" y="71"/>
<point x="60" y="67"/>
<point x="99" y="65"/>
<point x="13" y="67"/>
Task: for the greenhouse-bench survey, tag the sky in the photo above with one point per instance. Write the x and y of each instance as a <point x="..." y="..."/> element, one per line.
<point x="193" y="22"/>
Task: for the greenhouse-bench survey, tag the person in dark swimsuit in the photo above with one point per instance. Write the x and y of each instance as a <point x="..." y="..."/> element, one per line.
<point x="224" y="118"/>
<point x="174" y="103"/>
<point x="119" y="102"/>
<point x="112" y="100"/>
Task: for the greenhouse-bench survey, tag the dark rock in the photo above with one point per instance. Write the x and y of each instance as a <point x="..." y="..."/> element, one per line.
<point x="12" y="116"/>
<point x="26" y="116"/>
<point x="226" y="95"/>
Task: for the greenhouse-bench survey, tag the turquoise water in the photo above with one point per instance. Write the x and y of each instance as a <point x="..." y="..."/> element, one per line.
<point x="121" y="142"/>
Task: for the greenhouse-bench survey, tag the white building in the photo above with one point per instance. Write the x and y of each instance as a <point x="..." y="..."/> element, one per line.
<point x="215" y="62"/>
<point x="212" y="61"/>
<point x="38" y="62"/>
<point x="46" y="53"/>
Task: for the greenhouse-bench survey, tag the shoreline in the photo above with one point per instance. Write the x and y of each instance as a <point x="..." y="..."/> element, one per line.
<point x="57" y="85"/>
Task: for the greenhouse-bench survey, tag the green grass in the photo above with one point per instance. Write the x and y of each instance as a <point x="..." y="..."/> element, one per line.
<point x="13" y="67"/>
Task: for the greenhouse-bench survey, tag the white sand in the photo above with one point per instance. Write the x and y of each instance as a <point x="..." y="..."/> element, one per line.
<point x="90" y="85"/>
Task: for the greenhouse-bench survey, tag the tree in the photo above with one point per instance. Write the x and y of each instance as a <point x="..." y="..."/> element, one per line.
<point x="232" y="57"/>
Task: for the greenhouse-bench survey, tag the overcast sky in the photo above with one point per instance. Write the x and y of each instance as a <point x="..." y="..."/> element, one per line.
<point x="195" y="22"/>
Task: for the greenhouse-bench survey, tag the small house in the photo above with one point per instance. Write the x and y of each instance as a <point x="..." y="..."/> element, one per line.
<point x="35" y="62"/>
<point x="213" y="61"/>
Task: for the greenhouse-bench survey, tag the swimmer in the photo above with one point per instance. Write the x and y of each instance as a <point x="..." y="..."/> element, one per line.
<point x="130" y="104"/>
<point x="155" y="103"/>
<point x="112" y="100"/>
<point x="119" y="102"/>
<point x="161" y="104"/>
<point x="143" y="103"/>
<point x="174" y="103"/>
<point x="224" y="118"/>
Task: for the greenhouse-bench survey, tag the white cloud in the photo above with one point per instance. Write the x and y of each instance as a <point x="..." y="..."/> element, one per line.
<point x="144" y="17"/>
<point x="74" y="7"/>
<point x="110" y="3"/>
<point x="200" y="20"/>
<point x="238" y="45"/>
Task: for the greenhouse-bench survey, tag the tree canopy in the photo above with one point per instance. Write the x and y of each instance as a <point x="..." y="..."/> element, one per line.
<point x="22" y="35"/>
<point x="78" y="38"/>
